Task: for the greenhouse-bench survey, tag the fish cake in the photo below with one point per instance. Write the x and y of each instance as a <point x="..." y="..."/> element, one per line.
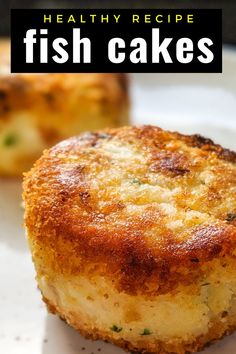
<point x="39" y="110"/>
<point x="133" y="237"/>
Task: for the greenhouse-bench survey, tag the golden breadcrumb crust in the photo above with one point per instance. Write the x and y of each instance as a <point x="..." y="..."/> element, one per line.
<point x="38" y="110"/>
<point x="147" y="208"/>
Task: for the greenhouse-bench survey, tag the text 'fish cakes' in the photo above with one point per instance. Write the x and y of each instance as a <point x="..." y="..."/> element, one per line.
<point x="133" y="237"/>
<point x="39" y="110"/>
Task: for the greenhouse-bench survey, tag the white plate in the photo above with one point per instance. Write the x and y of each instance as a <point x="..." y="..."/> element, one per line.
<point x="194" y="103"/>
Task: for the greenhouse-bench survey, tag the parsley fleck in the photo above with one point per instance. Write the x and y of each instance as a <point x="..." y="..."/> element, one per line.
<point x="115" y="328"/>
<point x="136" y="181"/>
<point x="146" y="332"/>
<point x="10" y="140"/>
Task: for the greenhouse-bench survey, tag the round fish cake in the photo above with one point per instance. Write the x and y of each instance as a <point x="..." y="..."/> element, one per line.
<point x="133" y="237"/>
<point x="39" y="110"/>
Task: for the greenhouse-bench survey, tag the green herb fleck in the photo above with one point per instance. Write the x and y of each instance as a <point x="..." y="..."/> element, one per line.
<point x="10" y="140"/>
<point x="115" y="328"/>
<point x="231" y="217"/>
<point x="146" y="332"/>
<point x="136" y="181"/>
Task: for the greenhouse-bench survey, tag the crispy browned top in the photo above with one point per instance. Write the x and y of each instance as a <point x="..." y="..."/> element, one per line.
<point x="142" y="205"/>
